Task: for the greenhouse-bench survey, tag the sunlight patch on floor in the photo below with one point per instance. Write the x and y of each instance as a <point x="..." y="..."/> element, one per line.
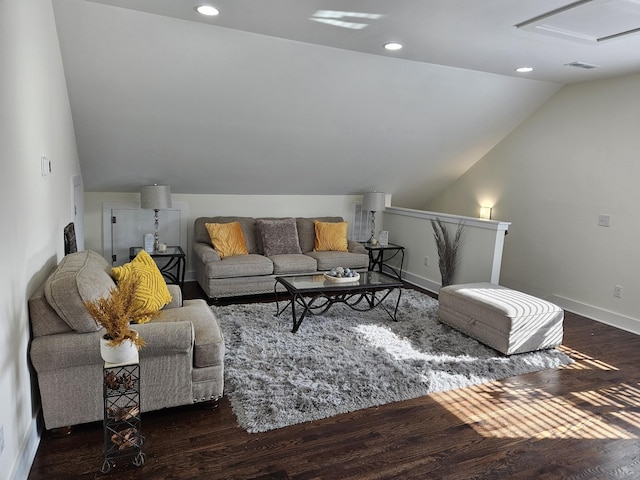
<point x="383" y="338"/>
<point x="515" y="409"/>
<point x="494" y="411"/>
<point x="582" y="361"/>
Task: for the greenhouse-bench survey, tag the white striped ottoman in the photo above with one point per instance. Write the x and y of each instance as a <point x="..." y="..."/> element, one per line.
<point x="506" y="320"/>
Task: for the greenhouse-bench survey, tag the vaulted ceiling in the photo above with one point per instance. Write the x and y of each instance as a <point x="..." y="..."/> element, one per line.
<point x="270" y="98"/>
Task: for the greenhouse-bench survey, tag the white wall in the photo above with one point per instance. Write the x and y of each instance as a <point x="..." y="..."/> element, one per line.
<point x="213" y="205"/>
<point x="35" y="120"/>
<point x="575" y="158"/>
<point x="480" y="252"/>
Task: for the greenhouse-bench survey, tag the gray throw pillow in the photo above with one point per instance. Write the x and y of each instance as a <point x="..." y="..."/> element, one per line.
<point x="279" y="236"/>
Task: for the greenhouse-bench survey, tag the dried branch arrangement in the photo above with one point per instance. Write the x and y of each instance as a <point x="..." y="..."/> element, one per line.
<point x="117" y="311"/>
<point x="448" y="248"/>
<point x="113" y="382"/>
<point x="120" y="414"/>
<point x="126" y="438"/>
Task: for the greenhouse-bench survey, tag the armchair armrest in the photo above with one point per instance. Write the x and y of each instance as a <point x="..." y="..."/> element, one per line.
<point x="355" y="247"/>
<point x="65" y="350"/>
<point x="165" y="338"/>
<point x="176" y="296"/>
<point x="205" y="252"/>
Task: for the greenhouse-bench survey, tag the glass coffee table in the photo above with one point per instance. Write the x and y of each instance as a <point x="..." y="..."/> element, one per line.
<point x="315" y="294"/>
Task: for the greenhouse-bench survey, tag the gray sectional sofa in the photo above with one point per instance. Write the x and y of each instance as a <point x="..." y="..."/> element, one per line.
<point x="255" y="273"/>
<point x="181" y="363"/>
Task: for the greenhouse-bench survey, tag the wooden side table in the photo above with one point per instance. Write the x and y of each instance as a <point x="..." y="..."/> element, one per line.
<point x="172" y="263"/>
<point x="378" y="260"/>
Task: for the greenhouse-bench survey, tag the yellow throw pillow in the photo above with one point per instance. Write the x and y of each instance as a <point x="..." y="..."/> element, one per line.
<point x="331" y="236"/>
<point x="227" y="238"/>
<point x="152" y="293"/>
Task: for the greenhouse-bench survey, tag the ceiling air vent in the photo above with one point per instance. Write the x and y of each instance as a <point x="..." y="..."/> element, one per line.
<point x="586" y="66"/>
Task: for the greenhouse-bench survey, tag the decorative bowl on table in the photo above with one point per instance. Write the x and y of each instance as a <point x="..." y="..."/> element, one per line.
<point x="342" y="275"/>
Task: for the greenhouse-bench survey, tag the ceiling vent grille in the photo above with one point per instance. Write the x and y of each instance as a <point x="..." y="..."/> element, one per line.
<point x="586" y="66"/>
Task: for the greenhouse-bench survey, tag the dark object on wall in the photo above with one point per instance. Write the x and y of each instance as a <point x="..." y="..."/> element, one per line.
<point x="447" y="249"/>
<point x="70" y="245"/>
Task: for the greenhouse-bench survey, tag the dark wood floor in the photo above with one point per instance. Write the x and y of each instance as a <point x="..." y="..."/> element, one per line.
<point x="577" y="422"/>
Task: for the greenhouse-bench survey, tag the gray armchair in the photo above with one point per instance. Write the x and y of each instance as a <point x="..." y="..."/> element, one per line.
<point x="181" y="363"/>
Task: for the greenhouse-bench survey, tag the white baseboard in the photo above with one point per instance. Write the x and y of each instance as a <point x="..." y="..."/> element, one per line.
<point x="421" y="282"/>
<point x="598" y="314"/>
<point x="27" y="452"/>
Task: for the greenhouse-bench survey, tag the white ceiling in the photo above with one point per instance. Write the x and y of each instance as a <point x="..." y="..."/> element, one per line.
<point x="472" y="34"/>
<point x="263" y="100"/>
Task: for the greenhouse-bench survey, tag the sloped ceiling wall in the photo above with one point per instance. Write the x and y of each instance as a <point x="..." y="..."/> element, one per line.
<point x="219" y="111"/>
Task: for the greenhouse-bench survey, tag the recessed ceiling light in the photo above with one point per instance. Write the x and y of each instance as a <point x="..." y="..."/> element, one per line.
<point x="393" y="46"/>
<point x="524" y="69"/>
<point x="207" y="10"/>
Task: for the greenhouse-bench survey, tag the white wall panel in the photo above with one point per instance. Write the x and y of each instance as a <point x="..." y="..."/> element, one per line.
<point x="574" y="159"/>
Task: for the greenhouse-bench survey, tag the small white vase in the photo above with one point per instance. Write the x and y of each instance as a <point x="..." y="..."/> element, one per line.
<point x="124" y="352"/>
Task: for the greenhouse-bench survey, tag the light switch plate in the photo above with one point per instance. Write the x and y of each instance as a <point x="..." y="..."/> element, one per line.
<point x="45" y="166"/>
<point x="604" y="220"/>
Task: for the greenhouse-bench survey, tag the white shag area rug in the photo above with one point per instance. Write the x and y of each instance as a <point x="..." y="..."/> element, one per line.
<point x="344" y="360"/>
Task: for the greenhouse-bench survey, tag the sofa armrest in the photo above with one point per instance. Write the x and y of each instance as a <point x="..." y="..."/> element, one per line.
<point x="205" y="252"/>
<point x="355" y="247"/>
<point x="64" y="350"/>
<point x="176" y="296"/>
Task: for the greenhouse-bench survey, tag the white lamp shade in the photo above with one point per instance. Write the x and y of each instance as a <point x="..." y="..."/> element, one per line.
<point x="155" y="197"/>
<point x="373" y="201"/>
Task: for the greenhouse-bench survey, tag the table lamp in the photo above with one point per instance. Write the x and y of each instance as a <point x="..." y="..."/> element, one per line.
<point x="373" y="202"/>
<point x="155" y="197"/>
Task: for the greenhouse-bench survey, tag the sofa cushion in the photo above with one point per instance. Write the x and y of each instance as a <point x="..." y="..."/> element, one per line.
<point x="279" y="236"/>
<point x="152" y="293"/>
<point x="328" y="260"/>
<point x="239" y="266"/>
<point x="248" y="225"/>
<point x="331" y="237"/>
<point x="227" y="239"/>
<point x="307" y="231"/>
<point x="80" y="277"/>
<point x="293" y="263"/>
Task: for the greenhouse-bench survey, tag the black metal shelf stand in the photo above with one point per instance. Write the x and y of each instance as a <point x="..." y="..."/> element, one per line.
<point x="122" y="423"/>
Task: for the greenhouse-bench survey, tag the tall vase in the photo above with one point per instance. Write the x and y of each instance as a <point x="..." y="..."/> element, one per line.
<point x="124" y="352"/>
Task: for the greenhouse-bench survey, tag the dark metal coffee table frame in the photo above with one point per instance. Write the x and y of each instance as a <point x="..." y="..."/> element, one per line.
<point x="317" y="295"/>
